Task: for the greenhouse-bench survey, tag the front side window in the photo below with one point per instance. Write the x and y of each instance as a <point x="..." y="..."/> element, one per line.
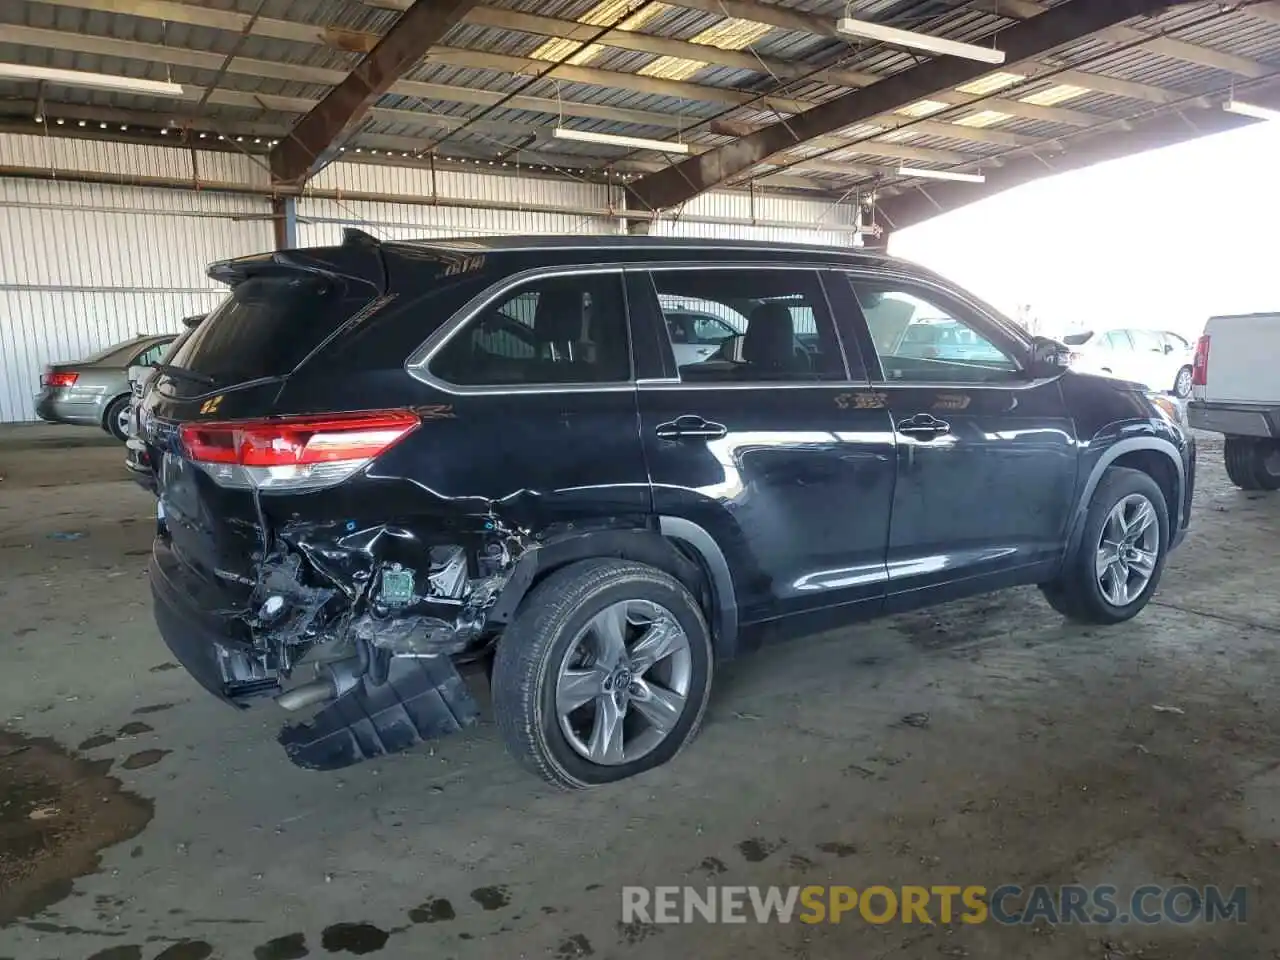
<point x="556" y="330"/>
<point x="1145" y="340"/>
<point x="918" y="339"/>
<point x="736" y="325"/>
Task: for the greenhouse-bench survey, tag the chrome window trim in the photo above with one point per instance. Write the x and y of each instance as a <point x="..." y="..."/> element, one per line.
<point x="417" y="366"/>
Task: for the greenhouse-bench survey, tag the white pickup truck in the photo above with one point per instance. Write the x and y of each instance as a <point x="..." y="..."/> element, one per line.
<point x="1236" y="392"/>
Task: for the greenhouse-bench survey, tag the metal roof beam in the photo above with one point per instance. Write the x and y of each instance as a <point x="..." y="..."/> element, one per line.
<point x="1153" y="42"/>
<point x="537" y="25"/>
<point x="496" y="17"/>
<point x="315" y="137"/>
<point x="614" y="79"/>
<point x="1023" y="41"/>
<point x="923" y="202"/>
<point x="320" y="76"/>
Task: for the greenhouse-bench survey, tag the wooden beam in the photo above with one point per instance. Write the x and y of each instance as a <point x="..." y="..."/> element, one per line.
<point x="314" y="139"/>
<point x="1023" y="41"/>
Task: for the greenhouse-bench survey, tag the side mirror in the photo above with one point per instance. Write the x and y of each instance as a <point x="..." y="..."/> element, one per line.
<point x="1048" y="358"/>
<point x="1168" y="348"/>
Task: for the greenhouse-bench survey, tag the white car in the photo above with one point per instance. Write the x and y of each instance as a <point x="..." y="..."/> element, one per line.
<point x="696" y="332"/>
<point x="1156" y="358"/>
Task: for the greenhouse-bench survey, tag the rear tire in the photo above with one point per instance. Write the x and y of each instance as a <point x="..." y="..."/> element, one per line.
<point x="1252" y="463"/>
<point x="559" y="638"/>
<point x="114" y="422"/>
<point x="1182" y="384"/>
<point x="1088" y="591"/>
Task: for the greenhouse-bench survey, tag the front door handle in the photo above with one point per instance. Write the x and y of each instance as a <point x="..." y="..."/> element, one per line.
<point x="690" y="426"/>
<point x="924" y="426"/>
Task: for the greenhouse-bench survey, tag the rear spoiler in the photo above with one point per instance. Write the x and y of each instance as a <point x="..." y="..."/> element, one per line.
<point x="359" y="259"/>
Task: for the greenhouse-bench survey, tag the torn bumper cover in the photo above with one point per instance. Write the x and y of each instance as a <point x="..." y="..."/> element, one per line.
<point x="379" y="634"/>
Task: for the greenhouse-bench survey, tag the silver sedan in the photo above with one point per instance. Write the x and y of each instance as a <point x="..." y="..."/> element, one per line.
<point x="95" y="391"/>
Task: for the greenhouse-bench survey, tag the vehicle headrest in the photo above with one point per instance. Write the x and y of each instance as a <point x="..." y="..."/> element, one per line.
<point x="770" y="336"/>
<point x="559" y="316"/>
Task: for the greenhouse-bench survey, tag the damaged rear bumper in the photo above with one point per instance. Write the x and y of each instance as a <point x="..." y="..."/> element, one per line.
<point x="416" y="699"/>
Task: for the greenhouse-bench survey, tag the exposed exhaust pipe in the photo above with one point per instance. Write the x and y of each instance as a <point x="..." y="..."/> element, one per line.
<point x="308" y="695"/>
<point x="339" y="677"/>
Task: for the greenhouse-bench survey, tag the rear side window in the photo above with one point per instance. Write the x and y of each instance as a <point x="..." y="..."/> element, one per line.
<point x="557" y="330"/>
<point x="769" y="325"/>
<point x="267" y="326"/>
<point x="1077" y="339"/>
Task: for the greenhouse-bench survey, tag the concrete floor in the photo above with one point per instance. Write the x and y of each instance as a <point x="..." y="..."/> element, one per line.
<point x="1042" y="760"/>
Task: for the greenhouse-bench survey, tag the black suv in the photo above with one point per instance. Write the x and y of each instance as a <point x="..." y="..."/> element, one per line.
<point x="381" y="462"/>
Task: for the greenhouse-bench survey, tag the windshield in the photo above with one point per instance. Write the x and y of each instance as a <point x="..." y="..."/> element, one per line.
<point x="266" y="327"/>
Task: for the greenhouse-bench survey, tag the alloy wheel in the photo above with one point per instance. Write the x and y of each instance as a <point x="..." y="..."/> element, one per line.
<point x="1182" y="385"/>
<point x="1128" y="550"/>
<point x="623" y="683"/>
<point x="122" y="419"/>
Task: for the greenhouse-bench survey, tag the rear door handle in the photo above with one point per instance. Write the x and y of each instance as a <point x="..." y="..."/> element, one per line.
<point x="925" y="426"/>
<point x="690" y="427"/>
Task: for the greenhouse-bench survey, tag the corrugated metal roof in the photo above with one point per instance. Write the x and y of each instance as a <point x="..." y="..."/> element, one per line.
<point x="498" y="129"/>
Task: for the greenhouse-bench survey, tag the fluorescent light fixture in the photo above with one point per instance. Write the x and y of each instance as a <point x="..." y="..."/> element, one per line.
<point x="867" y="30"/>
<point x="941" y="175"/>
<point x="613" y="139"/>
<point x="1250" y="110"/>
<point x="81" y="78"/>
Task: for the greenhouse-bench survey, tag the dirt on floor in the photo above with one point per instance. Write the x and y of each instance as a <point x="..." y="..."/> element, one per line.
<point x="980" y="744"/>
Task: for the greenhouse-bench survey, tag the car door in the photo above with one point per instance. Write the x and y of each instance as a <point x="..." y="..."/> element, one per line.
<point x="1150" y="360"/>
<point x="538" y="380"/>
<point x="1116" y="358"/>
<point x="771" y="445"/>
<point x="986" y="456"/>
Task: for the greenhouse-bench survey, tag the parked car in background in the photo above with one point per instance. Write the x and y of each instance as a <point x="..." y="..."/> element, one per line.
<point x="95" y="391"/>
<point x="1158" y="359"/>
<point x="140" y="375"/>
<point x="368" y="478"/>
<point x="1237" y="394"/>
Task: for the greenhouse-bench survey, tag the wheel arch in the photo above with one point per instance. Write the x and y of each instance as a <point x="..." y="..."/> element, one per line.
<point x="107" y="405"/>
<point x="1154" y="456"/>
<point x="678" y="547"/>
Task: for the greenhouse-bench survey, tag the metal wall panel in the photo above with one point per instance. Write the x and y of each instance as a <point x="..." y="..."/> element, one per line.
<point x="87" y="265"/>
<point x="461" y="184"/>
<point x="320" y="222"/>
<point x="759" y="216"/>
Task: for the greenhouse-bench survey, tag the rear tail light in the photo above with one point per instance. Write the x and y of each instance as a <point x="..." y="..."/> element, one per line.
<point x="294" y="454"/>
<point x="1200" y="365"/>
<point x="61" y="379"/>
